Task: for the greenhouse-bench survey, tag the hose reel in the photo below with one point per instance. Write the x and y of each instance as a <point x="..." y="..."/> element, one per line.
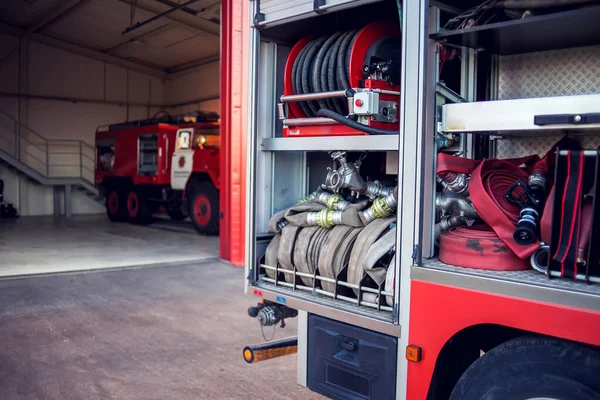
<point x="346" y="83"/>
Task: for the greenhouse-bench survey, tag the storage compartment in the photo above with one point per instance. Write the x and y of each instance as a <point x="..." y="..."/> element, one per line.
<point x="290" y="163"/>
<point x="520" y="106"/>
<point x="148" y="154"/>
<point x="323" y="262"/>
<point x="348" y="362"/>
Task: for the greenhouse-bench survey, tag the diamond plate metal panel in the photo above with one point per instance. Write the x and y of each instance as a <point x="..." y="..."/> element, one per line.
<point x="545" y="74"/>
<point x="550" y="73"/>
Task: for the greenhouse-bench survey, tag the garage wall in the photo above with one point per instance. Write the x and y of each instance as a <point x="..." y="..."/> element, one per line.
<point x="194" y="89"/>
<point x="64" y="96"/>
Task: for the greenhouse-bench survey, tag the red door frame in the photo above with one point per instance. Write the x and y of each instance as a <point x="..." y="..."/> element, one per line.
<point x="233" y="127"/>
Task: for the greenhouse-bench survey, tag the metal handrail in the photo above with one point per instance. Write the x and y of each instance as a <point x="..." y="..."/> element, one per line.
<point x="27" y="147"/>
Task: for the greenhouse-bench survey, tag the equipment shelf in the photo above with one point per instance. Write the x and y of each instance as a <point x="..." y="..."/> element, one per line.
<point x="524" y="115"/>
<point x="332" y="143"/>
<point x="380" y="321"/>
<point x="554" y="31"/>
<point x="528" y="283"/>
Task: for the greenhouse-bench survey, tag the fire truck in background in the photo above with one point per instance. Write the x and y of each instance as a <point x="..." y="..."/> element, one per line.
<point x="169" y="162"/>
<point x="422" y="195"/>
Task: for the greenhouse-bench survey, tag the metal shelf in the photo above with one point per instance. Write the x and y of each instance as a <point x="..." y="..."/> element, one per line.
<point x="518" y="116"/>
<point x="527" y="284"/>
<point x="559" y="30"/>
<point x="331" y="143"/>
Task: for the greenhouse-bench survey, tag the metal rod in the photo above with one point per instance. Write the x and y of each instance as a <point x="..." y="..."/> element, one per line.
<point x="313" y="96"/>
<point x="281" y="111"/>
<point x="308" y="121"/>
<point x="156" y="17"/>
<point x="383" y="91"/>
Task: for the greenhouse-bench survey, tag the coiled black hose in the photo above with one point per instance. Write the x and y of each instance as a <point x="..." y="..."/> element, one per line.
<point x="324" y="65"/>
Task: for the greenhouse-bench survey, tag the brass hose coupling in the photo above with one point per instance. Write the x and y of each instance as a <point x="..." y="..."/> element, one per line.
<point x="382" y="207"/>
<point x="324" y="218"/>
<point x="332" y="201"/>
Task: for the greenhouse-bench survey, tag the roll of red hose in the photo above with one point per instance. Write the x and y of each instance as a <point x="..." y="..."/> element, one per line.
<point x="478" y="247"/>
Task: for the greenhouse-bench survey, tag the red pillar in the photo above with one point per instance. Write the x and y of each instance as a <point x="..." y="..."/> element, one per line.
<point x="233" y="130"/>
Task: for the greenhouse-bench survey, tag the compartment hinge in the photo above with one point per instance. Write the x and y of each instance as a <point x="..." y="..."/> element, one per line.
<point x="258" y="17"/>
<point x="317" y="4"/>
<point x="416" y="254"/>
<point x="395" y="316"/>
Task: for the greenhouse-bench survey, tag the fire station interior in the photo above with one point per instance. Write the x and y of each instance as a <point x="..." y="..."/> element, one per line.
<point x="107" y="274"/>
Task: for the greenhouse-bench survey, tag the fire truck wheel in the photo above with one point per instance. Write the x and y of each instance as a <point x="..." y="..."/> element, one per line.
<point x="138" y="207"/>
<point x="204" y="208"/>
<point x="116" y="209"/>
<point x="532" y="368"/>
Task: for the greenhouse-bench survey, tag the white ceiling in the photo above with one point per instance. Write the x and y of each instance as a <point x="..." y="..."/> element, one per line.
<point x="184" y="38"/>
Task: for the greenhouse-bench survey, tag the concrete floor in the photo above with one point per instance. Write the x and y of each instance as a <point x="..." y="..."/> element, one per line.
<point x="35" y="245"/>
<point x="174" y="332"/>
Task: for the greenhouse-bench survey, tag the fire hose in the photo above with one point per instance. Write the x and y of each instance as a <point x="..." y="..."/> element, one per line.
<point x="478" y="247"/>
<point x="507" y="198"/>
<point x="487" y="187"/>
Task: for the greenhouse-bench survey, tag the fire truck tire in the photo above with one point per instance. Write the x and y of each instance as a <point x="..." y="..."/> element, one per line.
<point x="116" y="207"/>
<point x="139" y="209"/>
<point x="532" y="368"/>
<point x="204" y="208"/>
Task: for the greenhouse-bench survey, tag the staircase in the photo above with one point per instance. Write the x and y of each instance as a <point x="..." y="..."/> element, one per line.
<point x="62" y="164"/>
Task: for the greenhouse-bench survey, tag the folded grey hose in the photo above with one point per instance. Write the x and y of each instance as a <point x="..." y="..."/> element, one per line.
<point x="336" y="253"/>
<point x="380" y="248"/>
<point x="367" y="237"/>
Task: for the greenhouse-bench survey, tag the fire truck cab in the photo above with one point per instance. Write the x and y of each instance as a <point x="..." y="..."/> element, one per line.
<point x="170" y="162"/>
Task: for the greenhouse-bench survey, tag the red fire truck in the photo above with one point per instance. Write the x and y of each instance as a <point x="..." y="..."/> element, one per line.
<point x="423" y="195"/>
<point x="170" y="162"/>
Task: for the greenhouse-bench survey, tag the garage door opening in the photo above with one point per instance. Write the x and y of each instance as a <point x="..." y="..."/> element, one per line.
<point x="123" y="89"/>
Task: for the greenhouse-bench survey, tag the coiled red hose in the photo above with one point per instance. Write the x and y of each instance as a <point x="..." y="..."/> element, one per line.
<point x="478" y="247"/>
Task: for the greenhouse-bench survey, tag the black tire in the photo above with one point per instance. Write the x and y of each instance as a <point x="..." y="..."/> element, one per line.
<point x="204" y="207"/>
<point x="176" y="215"/>
<point x="532" y="367"/>
<point x="139" y="210"/>
<point x="116" y="207"/>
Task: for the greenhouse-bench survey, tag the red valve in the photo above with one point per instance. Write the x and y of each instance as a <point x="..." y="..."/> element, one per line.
<point x="359" y="103"/>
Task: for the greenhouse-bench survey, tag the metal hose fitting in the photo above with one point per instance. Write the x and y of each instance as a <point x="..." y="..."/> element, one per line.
<point x="382" y="207"/>
<point x="324" y="218"/>
<point x="459" y="184"/>
<point x="332" y="201"/>
<point x="446" y="223"/>
<point x="310" y="197"/>
<point x="455" y="203"/>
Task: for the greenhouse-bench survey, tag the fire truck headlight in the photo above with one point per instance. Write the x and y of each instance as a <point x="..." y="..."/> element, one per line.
<point x="200" y="141"/>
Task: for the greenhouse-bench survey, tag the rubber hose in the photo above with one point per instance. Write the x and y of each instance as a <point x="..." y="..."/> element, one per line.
<point x="341" y="105"/>
<point x="328" y="74"/>
<point x="343" y="81"/>
<point x="306" y="76"/>
<point x="318" y="70"/>
<point x="353" y="124"/>
<point x="297" y="79"/>
<point x="296" y="66"/>
<point x="347" y="59"/>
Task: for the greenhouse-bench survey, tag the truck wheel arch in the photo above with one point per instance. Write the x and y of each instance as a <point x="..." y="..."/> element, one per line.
<point x="465" y="347"/>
